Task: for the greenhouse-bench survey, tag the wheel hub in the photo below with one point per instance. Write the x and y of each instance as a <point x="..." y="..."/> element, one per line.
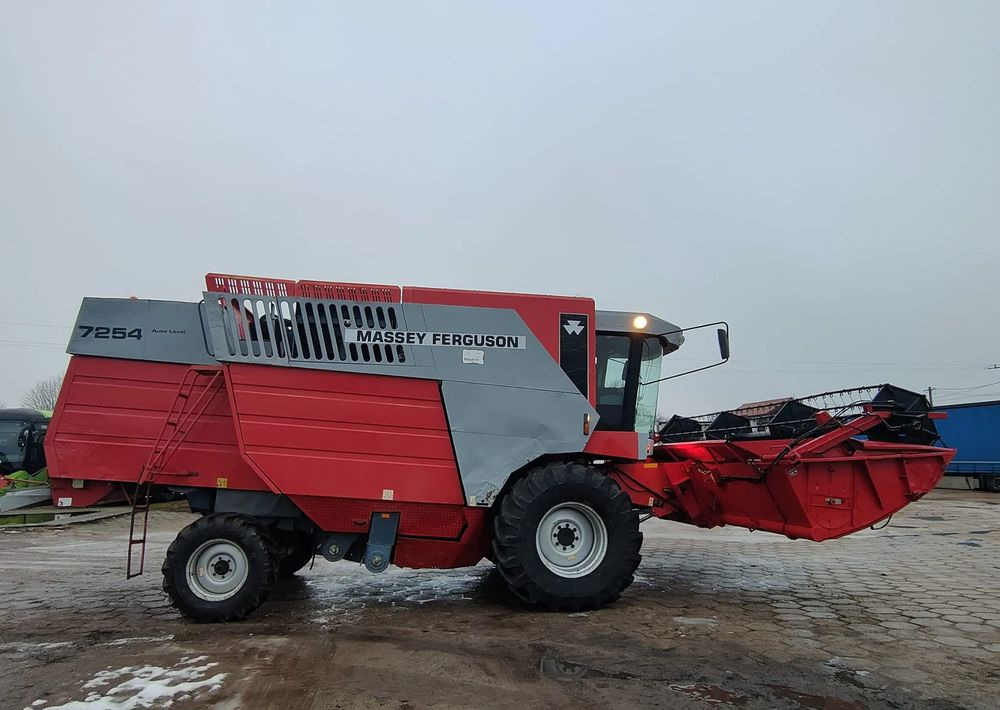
<point x="217" y="569"/>
<point x="571" y="540"/>
<point x="566" y="536"/>
<point x="221" y="567"/>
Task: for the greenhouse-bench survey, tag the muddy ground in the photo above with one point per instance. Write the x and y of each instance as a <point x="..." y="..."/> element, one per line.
<point x="906" y="617"/>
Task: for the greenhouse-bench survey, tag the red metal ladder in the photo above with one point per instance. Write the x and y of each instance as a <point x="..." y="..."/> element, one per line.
<point x="180" y="419"/>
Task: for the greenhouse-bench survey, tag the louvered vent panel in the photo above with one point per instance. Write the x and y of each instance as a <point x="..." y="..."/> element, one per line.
<point x="279" y="330"/>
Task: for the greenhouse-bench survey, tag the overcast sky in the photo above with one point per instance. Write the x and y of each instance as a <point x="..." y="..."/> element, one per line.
<point x="824" y="176"/>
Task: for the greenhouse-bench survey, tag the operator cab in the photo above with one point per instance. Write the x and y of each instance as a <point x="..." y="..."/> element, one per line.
<point x="630" y="350"/>
<point x="22" y="434"/>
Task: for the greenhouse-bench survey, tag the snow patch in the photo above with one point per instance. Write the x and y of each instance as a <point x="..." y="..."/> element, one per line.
<point x="134" y="687"/>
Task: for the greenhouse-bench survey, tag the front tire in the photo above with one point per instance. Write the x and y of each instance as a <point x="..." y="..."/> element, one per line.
<point x="566" y="538"/>
<point x="220" y="568"/>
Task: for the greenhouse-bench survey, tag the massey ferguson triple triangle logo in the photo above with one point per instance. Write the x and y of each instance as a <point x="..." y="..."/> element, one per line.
<point x="573" y="327"/>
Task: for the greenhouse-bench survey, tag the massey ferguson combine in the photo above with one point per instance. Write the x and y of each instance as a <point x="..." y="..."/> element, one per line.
<point x="432" y="428"/>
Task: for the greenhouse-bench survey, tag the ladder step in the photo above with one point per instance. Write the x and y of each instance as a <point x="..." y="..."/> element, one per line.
<point x="137" y="542"/>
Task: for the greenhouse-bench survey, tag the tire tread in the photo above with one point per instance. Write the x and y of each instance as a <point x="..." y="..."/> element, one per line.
<point x="512" y="525"/>
<point x="237" y="528"/>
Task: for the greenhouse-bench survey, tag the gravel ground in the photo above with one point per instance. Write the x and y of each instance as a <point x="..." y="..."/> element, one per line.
<point x="905" y="617"/>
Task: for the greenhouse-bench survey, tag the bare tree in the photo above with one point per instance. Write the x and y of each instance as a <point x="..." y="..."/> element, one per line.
<point x="43" y="394"/>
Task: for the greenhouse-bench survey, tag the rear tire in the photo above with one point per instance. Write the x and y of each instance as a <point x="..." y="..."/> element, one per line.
<point x="303" y="547"/>
<point x="990" y="483"/>
<point x="566" y="538"/>
<point x="220" y="568"/>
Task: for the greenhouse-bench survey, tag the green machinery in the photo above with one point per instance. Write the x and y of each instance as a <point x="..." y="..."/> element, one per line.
<point x="24" y="477"/>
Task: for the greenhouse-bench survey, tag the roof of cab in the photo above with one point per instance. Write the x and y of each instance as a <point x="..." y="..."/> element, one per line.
<point x="22" y="415"/>
<point x="624" y="322"/>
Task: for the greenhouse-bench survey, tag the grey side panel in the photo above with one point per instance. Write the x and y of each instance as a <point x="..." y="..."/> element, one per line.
<point x="162" y="331"/>
<point x="645" y="448"/>
<point x="497" y="430"/>
<point x="531" y="368"/>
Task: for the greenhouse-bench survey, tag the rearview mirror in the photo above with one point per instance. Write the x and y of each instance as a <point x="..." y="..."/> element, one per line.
<point x="723" y="343"/>
<point x="723" y="336"/>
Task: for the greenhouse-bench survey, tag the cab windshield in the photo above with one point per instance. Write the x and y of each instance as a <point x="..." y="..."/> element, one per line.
<point x="649" y="370"/>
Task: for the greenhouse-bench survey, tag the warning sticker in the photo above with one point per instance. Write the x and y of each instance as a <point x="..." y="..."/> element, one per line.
<point x="473" y="357"/>
<point x="454" y="340"/>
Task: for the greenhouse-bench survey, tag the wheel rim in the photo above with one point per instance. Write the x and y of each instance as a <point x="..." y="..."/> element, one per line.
<point x="571" y="540"/>
<point x="217" y="570"/>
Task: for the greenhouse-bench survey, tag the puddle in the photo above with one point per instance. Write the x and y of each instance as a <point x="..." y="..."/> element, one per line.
<point x="814" y="702"/>
<point x="353" y="588"/>
<point x="846" y="674"/>
<point x="851" y="678"/>
<point x="970" y="543"/>
<point x="23" y="518"/>
<point x="932" y="518"/>
<point x="693" y="621"/>
<point x="559" y="669"/>
<point x="711" y="694"/>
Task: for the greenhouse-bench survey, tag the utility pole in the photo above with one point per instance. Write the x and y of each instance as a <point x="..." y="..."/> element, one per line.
<point x="930" y="396"/>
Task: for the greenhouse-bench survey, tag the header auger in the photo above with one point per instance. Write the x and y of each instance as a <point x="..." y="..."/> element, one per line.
<point x="432" y="428"/>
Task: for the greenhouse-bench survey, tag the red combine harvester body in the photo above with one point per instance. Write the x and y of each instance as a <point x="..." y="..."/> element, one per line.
<point x="433" y="428"/>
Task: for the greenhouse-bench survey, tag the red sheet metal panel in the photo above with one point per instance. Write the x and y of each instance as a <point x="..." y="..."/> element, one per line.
<point x="774" y="485"/>
<point x="445" y="554"/>
<point x="345" y="291"/>
<point x="110" y="412"/>
<point x="93" y="492"/>
<point x="327" y="290"/>
<point x="354" y="515"/>
<point x="251" y="285"/>
<point x="615" y="445"/>
<point x="345" y="435"/>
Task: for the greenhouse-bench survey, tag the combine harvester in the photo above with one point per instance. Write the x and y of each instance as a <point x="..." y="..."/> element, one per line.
<point x="432" y="428"/>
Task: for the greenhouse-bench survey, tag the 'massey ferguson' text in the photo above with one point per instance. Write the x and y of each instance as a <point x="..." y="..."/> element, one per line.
<point x="458" y="340"/>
